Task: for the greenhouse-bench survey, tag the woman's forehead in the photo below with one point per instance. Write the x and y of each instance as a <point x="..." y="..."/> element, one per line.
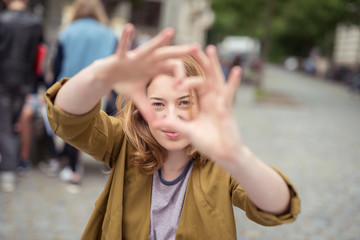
<point x="161" y="81"/>
<point x="164" y="85"/>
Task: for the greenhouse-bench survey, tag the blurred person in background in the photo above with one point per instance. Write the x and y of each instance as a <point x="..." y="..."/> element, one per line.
<point x="33" y="109"/>
<point x="309" y="64"/>
<point x="178" y="163"/>
<point x="20" y="36"/>
<point x="84" y="40"/>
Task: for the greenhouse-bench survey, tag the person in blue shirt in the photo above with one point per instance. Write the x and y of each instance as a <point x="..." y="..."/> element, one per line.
<point x="84" y="40"/>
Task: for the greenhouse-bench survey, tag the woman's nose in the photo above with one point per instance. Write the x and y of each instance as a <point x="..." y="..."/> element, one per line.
<point x="172" y="113"/>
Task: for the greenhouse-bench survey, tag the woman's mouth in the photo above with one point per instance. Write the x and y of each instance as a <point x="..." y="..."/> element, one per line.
<point x="170" y="134"/>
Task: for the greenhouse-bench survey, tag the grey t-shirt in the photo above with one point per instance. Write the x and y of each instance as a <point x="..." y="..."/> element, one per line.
<point x="167" y="199"/>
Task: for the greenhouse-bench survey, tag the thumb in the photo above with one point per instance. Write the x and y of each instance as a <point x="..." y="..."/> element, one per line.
<point x="144" y="107"/>
<point x="181" y="126"/>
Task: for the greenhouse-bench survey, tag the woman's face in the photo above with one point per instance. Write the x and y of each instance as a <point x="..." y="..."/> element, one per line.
<point x="170" y="104"/>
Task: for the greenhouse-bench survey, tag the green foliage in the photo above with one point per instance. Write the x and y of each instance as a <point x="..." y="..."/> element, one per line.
<point x="236" y="18"/>
<point x="137" y="2"/>
<point x="296" y="27"/>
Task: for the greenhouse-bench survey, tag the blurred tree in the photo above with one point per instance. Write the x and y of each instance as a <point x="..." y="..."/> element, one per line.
<point x="294" y="26"/>
<point x="304" y="24"/>
<point x="248" y="18"/>
<point x="284" y="27"/>
<point x="235" y="17"/>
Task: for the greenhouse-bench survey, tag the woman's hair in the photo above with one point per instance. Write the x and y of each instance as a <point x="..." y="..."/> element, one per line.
<point x="149" y="155"/>
<point x="89" y="9"/>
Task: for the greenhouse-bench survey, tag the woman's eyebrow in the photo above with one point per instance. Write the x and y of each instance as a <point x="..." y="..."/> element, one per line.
<point x="161" y="99"/>
<point x="186" y="96"/>
<point x="156" y="98"/>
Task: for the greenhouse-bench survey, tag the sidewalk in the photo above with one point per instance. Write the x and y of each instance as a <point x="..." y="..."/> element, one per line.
<point x="42" y="209"/>
<point x="309" y="129"/>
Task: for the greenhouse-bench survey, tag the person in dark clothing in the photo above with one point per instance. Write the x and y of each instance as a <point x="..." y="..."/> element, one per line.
<point x="20" y="35"/>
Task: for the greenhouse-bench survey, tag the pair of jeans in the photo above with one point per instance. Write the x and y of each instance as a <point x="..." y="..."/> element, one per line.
<point x="10" y="108"/>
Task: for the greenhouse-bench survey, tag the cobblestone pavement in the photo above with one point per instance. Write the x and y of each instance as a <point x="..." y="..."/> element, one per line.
<point x="307" y="127"/>
<point x="42" y="209"/>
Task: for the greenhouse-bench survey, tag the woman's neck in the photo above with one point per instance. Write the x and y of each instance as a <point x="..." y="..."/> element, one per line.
<point x="174" y="165"/>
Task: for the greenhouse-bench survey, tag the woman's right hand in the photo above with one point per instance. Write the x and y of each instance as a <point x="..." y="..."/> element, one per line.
<point x="126" y="71"/>
<point x="129" y="71"/>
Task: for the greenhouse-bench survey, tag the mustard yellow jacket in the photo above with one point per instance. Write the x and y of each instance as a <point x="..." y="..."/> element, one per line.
<point x="123" y="209"/>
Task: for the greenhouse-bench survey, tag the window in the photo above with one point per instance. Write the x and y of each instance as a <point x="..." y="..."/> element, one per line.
<point x="146" y="14"/>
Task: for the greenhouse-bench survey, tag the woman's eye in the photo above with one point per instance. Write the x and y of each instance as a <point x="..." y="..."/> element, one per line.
<point x="184" y="103"/>
<point x="157" y="104"/>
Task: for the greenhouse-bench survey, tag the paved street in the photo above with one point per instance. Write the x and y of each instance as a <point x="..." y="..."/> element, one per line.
<point x="307" y="127"/>
<point x="42" y="209"/>
<point x="310" y="130"/>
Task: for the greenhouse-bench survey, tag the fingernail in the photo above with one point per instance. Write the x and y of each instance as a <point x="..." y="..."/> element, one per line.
<point x="237" y="70"/>
<point x="196" y="46"/>
<point x="168" y="32"/>
<point x="179" y="86"/>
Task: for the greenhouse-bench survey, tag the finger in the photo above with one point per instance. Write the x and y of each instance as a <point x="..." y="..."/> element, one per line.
<point x="178" y="68"/>
<point x="187" y="129"/>
<point x="216" y="76"/>
<point x="183" y="127"/>
<point x="125" y="41"/>
<point x="172" y="66"/>
<point x="197" y="84"/>
<point x="174" y="51"/>
<point x="188" y="83"/>
<point x="202" y="59"/>
<point x="233" y="84"/>
<point x="215" y="65"/>
<point x="121" y="88"/>
<point x="162" y="39"/>
<point x="144" y="106"/>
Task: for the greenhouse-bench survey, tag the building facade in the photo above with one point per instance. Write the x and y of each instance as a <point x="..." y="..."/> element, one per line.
<point x="190" y="19"/>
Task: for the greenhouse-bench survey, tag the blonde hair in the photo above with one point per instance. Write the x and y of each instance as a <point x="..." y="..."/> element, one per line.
<point x="149" y="155"/>
<point x="89" y="9"/>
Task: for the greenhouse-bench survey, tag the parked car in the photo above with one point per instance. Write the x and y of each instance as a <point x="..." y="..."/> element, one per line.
<point x="243" y="51"/>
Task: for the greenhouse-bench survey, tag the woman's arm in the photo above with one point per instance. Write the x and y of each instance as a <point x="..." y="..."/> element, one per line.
<point x="264" y="186"/>
<point x="127" y="71"/>
<point x="81" y="93"/>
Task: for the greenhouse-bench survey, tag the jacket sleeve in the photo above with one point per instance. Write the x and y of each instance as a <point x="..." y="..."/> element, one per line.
<point x="94" y="133"/>
<point x="241" y="200"/>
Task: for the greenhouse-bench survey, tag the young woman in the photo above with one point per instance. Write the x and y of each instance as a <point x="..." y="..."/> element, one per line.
<point x="177" y="159"/>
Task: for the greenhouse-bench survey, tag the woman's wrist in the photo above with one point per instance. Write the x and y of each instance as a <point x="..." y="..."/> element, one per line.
<point x="82" y="92"/>
<point x="237" y="160"/>
<point x="97" y="78"/>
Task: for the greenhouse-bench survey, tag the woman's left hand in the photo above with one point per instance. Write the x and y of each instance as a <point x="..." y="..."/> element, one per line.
<point x="214" y="130"/>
